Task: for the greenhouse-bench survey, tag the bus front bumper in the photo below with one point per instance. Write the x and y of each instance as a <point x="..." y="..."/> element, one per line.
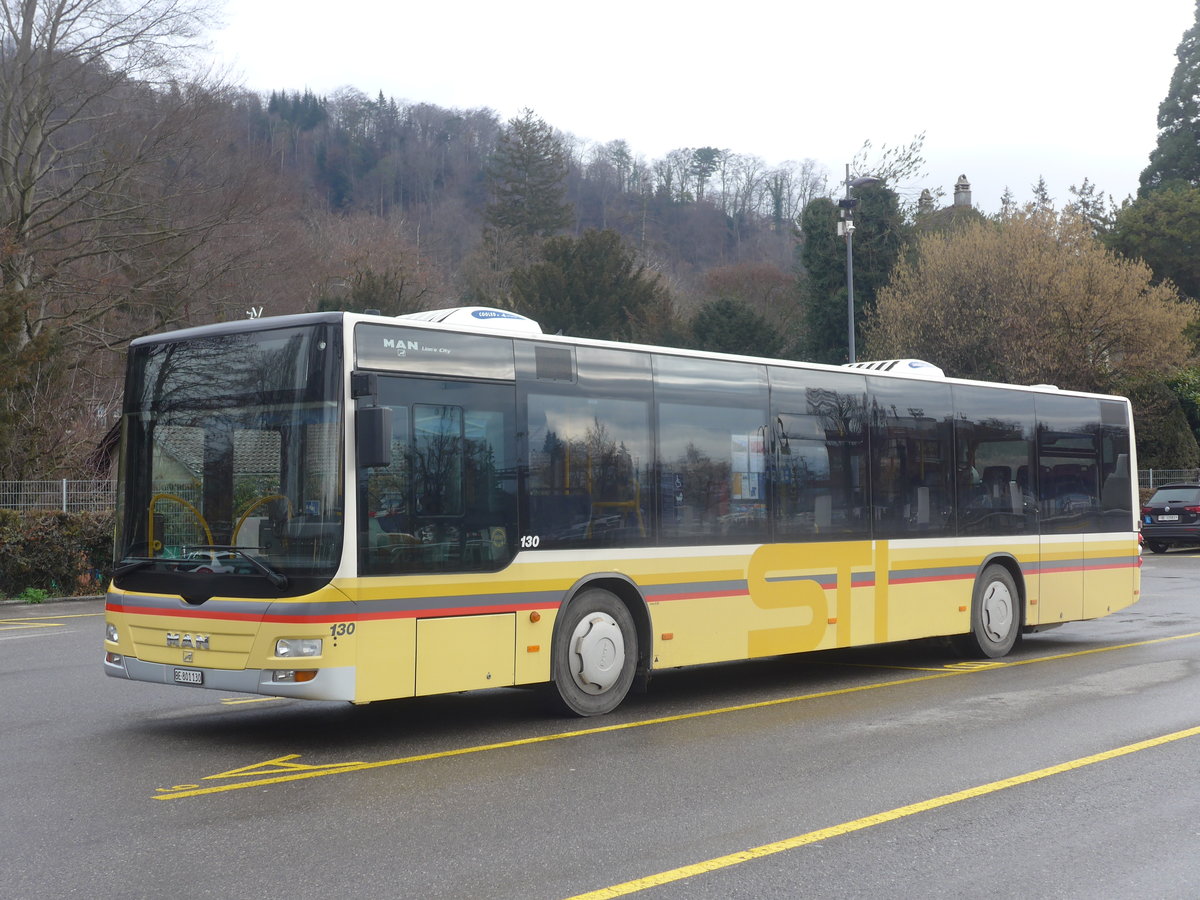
<point x="326" y="684"/>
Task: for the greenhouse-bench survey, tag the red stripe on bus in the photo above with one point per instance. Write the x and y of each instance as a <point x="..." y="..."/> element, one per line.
<point x="928" y="579"/>
<point x="184" y="613"/>
<point x="329" y="617"/>
<point x="1121" y="565"/>
<point x="697" y="595"/>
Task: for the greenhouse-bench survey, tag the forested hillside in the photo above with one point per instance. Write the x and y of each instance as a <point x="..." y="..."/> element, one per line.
<point x="425" y="169"/>
<point x="200" y="204"/>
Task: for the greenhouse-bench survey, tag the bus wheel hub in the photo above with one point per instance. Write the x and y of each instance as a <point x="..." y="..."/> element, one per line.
<point x="997" y="611"/>
<point x="598" y="652"/>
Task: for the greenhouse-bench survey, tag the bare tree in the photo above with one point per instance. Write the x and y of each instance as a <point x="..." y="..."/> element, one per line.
<point x="89" y="102"/>
<point x="675" y="174"/>
<point x="789" y="189"/>
<point x="902" y="167"/>
<point x="128" y="202"/>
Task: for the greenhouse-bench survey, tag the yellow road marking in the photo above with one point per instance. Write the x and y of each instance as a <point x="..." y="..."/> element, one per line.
<point x="337" y="769"/>
<point x="266" y="767"/>
<point x="812" y="837"/>
<point x="190" y="790"/>
<point x="277" y="765"/>
<point x="1055" y="657"/>
<point x="15" y="624"/>
<point x="975" y="665"/>
<point x="236" y="701"/>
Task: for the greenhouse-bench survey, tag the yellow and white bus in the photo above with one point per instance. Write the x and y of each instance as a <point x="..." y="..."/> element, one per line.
<point x="352" y="507"/>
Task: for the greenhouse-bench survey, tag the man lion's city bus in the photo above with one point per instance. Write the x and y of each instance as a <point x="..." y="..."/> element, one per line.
<point x="351" y="507"/>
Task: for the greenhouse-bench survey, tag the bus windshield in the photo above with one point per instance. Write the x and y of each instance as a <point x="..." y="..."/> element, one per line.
<point x="232" y="464"/>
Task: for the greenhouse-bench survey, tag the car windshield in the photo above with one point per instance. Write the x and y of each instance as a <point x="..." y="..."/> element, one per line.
<point x="231" y="461"/>
<point x="1186" y="495"/>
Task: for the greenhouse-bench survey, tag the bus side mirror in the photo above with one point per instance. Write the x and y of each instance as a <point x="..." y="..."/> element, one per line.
<point x="373" y="436"/>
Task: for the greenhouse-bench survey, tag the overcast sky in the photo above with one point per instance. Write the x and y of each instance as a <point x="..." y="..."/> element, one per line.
<point x="1005" y="93"/>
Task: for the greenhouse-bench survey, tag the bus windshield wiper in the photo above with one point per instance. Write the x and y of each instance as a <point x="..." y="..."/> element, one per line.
<point x="132" y="566"/>
<point x="276" y="578"/>
<point x="131" y="563"/>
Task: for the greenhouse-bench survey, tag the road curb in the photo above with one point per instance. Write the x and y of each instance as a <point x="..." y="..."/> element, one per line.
<point x="10" y="601"/>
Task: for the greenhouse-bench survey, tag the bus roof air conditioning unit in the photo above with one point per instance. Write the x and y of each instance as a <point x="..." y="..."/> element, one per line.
<point x="914" y="368"/>
<point x="480" y="317"/>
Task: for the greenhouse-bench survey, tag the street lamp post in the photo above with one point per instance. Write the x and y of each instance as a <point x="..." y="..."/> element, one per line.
<point x="846" y="227"/>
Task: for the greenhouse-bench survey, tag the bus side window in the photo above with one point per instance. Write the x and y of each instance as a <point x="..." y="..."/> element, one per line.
<point x="995" y="454"/>
<point x="911" y="457"/>
<point x="1069" y="432"/>
<point x="585" y="481"/>
<point x="713" y="473"/>
<point x="819" y="456"/>
<point x="447" y="501"/>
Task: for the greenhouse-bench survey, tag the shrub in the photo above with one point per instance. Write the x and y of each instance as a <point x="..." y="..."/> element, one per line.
<point x="32" y="595"/>
<point x="60" y="553"/>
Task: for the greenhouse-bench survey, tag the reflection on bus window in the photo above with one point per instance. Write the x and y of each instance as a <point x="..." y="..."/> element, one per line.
<point x="586" y="482"/>
<point x="447" y="502"/>
<point x="821" y="458"/>
<point x="1068" y="464"/>
<point x="712" y="473"/>
<point x="996" y="462"/>
<point x="912" y="459"/>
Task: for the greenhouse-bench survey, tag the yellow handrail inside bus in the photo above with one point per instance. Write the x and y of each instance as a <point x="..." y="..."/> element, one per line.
<point x="195" y="512"/>
<point x="255" y="505"/>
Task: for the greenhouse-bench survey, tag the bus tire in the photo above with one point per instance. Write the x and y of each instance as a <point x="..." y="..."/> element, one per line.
<point x="595" y="654"/>
<point x="995" y="615"/>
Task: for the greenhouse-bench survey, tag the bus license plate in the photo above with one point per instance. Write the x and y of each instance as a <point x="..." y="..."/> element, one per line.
<point x="189" y="676"/>
<point x="1167" y="519"/>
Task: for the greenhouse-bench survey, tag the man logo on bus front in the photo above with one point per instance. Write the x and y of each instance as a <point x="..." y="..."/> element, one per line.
<point x="195" y="642"/>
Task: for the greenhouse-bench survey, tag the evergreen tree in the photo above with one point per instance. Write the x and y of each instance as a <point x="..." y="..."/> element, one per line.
<point x="823" y="283"/>
<point x="1042" y="201"/>
<point x="1093" y="206"/>
<point x="1185" y="385"/>
<point x="1176" y="157"/>
<point x="879" y="234"/>
<point x="703" y="164"/>
<point x="726" y="325"/>
<point x="1163" y="229"/>
<point x="1008" y="204"/>
<point x="1164" y="438"/>
<point x="590" y="286"/>
<point x="526" y="180"/>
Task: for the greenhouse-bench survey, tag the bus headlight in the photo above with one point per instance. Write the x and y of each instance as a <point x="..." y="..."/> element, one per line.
<point x="110" y="632"/>
<point x="289" y="648"/>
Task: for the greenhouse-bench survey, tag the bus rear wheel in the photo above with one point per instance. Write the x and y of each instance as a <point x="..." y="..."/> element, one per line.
<point x="595" y="654"/>
<point x="995" y="615"/>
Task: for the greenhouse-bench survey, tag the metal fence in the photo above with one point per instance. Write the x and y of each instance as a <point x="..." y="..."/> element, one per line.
<point x="1152" y="478"/>
<point x="63" y="495"/>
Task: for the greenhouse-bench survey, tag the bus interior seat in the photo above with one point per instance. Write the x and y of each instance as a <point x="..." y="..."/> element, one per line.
<point x="996" y="479"/>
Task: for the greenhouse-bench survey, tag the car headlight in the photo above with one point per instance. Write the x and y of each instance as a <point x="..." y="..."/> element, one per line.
<point x="298" y="647"/>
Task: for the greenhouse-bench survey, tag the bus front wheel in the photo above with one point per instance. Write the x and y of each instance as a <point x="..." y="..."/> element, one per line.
<point x="995" y="615"/>
<point x="595" y="654"/>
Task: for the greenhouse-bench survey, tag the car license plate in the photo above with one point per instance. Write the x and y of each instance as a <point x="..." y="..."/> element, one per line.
<point x="1167" y="519"/>
<point x="189" y="676"/>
